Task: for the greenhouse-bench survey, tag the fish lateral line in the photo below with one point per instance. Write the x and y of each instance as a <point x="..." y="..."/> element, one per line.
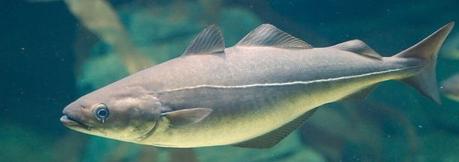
<point x="279" y="84"/>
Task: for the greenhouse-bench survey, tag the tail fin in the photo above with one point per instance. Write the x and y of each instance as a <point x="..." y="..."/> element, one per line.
<point x="426" y="50"/>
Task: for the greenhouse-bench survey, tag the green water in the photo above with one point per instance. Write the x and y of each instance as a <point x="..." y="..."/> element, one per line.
<point x="49" y="57"/>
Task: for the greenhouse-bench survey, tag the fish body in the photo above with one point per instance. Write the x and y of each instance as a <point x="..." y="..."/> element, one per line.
<point x="450" y="87"/>
<point x="250" y="95"/>
<point x="269" y="88"/>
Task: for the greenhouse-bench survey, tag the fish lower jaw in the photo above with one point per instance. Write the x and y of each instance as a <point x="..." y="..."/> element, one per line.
<point x="72" y="123"/>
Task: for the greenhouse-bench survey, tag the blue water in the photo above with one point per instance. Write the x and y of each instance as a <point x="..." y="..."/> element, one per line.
<point x="48" y="58"/>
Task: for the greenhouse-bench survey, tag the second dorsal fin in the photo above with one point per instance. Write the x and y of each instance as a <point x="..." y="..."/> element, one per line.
<point x="209" y="41"/>
<point x="359" y="47"/>
<point x="269" y="35"/>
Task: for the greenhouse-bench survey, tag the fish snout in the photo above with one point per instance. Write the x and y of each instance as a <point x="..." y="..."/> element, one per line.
<point x="73" y="116"/>
<point x="71" y="110"/>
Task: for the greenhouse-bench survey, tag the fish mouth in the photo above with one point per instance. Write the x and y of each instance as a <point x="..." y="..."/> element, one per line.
<point x="71" y="122"/>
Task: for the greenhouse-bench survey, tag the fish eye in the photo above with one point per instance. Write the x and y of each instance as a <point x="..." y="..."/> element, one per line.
<point x="102" y="112"/>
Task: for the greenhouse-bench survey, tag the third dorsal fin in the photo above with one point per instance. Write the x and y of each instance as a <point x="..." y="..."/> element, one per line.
<point x="209" y="41"/>
<point x="359" y="47"/>
<point x="269" y="35"/>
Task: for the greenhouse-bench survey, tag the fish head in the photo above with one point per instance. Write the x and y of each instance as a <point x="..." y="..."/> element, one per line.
<point x="122" y="114"/>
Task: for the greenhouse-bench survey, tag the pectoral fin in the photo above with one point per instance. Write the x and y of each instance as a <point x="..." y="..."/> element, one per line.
<point x="272" y="138"/>
<point x="187" y="116"/>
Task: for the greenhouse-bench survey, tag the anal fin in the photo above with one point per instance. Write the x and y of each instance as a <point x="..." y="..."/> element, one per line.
<point x="360" y="95"/>
<point x="272" y="138"/>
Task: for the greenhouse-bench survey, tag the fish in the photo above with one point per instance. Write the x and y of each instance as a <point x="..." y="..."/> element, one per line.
<point x="251" y="95"/>
<point x="450" y="87"/>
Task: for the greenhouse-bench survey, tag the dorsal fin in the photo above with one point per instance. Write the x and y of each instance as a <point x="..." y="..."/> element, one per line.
<point x="359" y="47"/>
<point x="209" y="41"/>
<point x="269" y="35"/>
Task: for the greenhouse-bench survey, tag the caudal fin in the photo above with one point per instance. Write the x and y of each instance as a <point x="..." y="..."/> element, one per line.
<point x="426" y="50"/>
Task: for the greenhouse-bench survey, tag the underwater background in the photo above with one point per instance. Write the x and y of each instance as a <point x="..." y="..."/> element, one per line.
<point x="53" y="51"/>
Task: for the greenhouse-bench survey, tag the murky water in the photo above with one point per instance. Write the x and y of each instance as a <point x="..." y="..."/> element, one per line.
<point x="52" y="52"/>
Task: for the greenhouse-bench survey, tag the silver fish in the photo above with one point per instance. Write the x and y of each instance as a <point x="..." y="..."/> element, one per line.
<point x="250" y="95"/>
<point x="450" y="87"/>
